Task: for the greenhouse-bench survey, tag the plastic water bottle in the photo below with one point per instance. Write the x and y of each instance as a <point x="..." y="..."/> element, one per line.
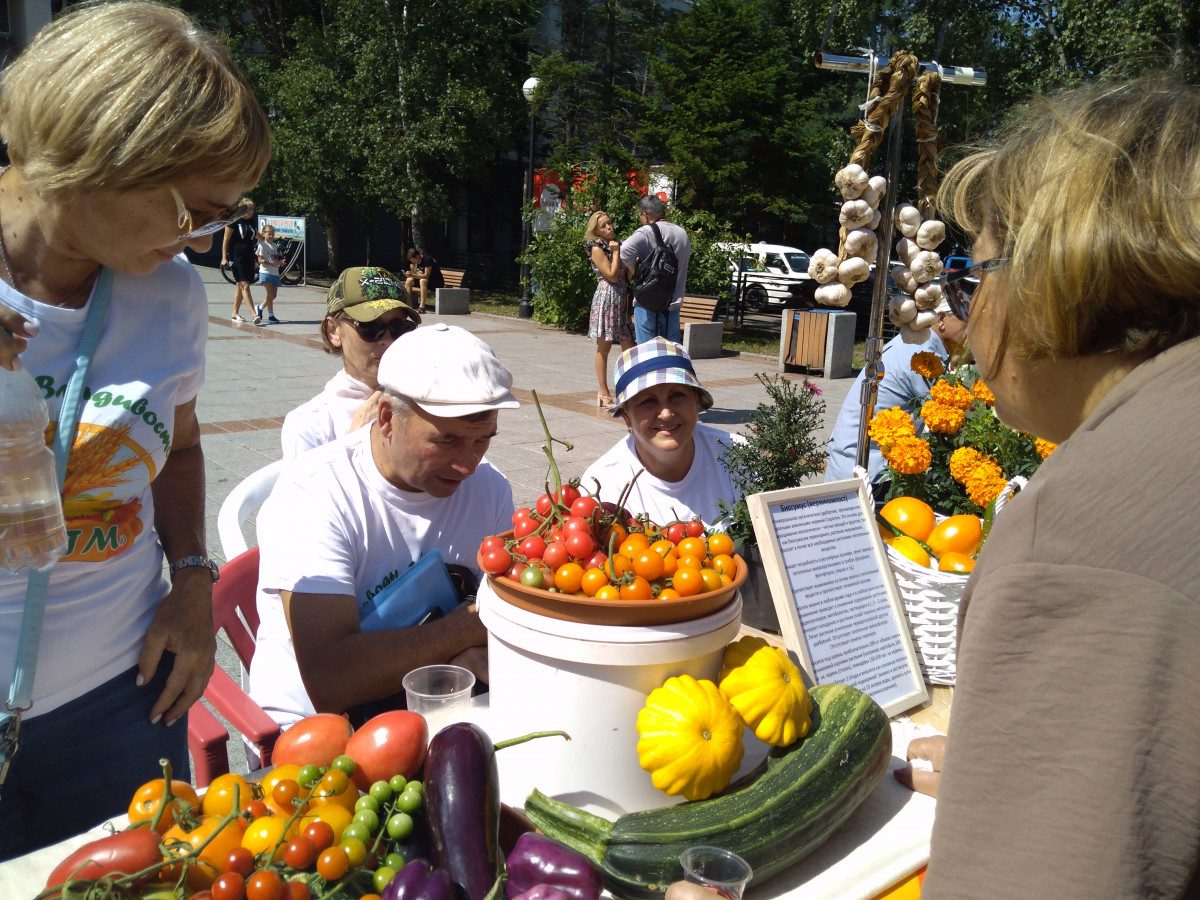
<point x="32" y="531"/>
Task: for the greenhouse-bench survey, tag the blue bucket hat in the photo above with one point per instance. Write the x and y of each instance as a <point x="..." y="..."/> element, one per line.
<point x="657" y="361"/>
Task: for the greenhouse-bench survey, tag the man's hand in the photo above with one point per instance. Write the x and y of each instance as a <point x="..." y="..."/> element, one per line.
<point x="366" y="413"/>
<point x="183" y="624"/>
<point x="15" y="330"/>
<point x="475" y="659"/>
<point x="932" y="749"/>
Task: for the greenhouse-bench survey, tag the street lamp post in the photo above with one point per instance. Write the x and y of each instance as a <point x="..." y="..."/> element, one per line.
<point x="525" y="307"/>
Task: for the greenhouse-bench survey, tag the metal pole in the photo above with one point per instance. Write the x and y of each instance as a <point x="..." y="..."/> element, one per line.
<point x="862" y="65"/>
<point x="525" y="307"/>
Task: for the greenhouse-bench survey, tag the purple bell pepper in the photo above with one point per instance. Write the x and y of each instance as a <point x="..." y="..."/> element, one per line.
<point x="537" y="860"/>
<point x="416" y="881"/>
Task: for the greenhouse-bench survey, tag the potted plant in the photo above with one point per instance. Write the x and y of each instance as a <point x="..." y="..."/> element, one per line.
<point x="780" y="450"/>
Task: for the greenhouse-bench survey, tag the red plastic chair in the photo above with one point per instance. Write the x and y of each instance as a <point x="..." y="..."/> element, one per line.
<point x="234" y="611"/>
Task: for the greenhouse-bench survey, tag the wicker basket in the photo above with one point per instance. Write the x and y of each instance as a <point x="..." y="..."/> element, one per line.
<point x="931" y="604"/>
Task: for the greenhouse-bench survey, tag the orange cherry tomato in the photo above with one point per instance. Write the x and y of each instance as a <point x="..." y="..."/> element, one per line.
<point x="957" y="534"/>
<point x="334" y="815"/>
<point x="149" y="797"/>
<point x="720" y="543"/>
<point x="648" y="564"/>
<point x="569" y="578"/>
<point x="912" y="516"/>
<point x="690" y="562"/>
<point x="620" y="531"/>
<point x="333" y="864"/>
<point x="618" y="565"/>
<point x="724" y="565"/>
<point x="956" y="562"/>
<point x="693" y="547"/>
<point x="668" y="594"/>
<point x="265" y="884"/>
<point x="290" y="771"/>
<point x="218" y="799"/>
<point x="670" y="564"/>
<point x="634" y="544"/>
<point x="593" y="580"/>
<point x="212" y="857"/>
<point x="609" y="592"/>
<point x="687" y="580"/>
<point x="662" y="547"/>
<point x="638" y="589"/>
<point x="712" y="580"/>
<point x="335" y="787"/>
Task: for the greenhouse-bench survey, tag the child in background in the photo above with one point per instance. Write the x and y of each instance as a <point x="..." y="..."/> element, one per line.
<point x="268" y="274"/>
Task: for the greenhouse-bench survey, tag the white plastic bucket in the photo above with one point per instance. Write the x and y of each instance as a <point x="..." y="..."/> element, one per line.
<point x="589" y="681"/>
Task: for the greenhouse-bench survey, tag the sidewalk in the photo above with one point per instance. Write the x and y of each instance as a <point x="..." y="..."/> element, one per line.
<point x="256" y="375"/>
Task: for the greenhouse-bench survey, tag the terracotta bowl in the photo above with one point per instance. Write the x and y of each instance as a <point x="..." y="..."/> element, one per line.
<point x="589" y="610"/>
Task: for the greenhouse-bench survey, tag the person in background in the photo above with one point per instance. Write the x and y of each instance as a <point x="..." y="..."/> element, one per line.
<point x="268" y="273"/>
<point x="138" y="98"/>
<point x="660" y="399"/>
<point x="346" y="519"/>
<point x="1071" y="770"/>
<point x="637" y="248"/>
<point x="237" y="252"/>
<point x="900" y="386"/>
<point x="364" y="313"/>
<point x="424" y="276"/>
<point x="609" y="318"/>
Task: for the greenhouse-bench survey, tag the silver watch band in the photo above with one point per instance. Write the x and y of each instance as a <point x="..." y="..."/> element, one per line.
<point x="186" y="561"/>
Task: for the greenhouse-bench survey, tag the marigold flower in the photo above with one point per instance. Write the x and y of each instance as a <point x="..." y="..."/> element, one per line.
<point x="927" y="365"/>
<point x="951" y="394"/>
<point x="888" y="425"/>
<point x="963" y="461"/>
<point x="941" y="418"/>
<point x="984" y="485"/>
<point x="909" y="455"/>
<point x="983" y="393"/>
<point x="1044" y="448"/>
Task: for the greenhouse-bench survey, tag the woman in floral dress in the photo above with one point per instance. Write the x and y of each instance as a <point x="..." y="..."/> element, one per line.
<point x="610" y="319"/>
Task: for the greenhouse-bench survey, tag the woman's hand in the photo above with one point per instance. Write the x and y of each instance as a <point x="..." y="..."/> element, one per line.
<point x="183" y="624"/>
<point x="932" y="749"/>
<point x="15" y="330"/>
<point x="367" y="412"/>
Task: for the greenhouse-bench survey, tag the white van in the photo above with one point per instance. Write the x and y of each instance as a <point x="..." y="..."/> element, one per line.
<point x="768" y="273"/>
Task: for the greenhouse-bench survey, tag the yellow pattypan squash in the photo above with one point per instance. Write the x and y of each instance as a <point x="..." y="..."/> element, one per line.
<point x="690" y="738"/>
<point x="767" y="690"/>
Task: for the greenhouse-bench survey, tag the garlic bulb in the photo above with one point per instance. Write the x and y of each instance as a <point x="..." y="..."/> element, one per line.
<point x="878" y="184"/>
<point x="855" y="214"/>
<point x="823" y="266"/>
<point x="923" y="320"/>
<point x="851" y="181"/>
<point x="875" y="220"/>
<point x="853" y="270"/>
<point x="926" y="266"/>
<point x="911" y="335"/>
<point x="908" y="219"/>
<point x="862" y="243"/>
<point x="904" y="280"/>
<point x="872" y="197"/>
<point x="906" y="249"/>
<point x="928" y="296"/>
<point x="833" y="295"/>
<point x="903" y="309"/>
<point x="930" y="234"/>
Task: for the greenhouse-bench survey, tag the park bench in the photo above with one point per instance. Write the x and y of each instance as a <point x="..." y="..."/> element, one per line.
<point x="452" y="299"/>
<point x="701" y="334"/>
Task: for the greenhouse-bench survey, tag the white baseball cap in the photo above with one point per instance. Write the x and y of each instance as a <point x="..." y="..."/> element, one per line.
<point x="446" y="371"/>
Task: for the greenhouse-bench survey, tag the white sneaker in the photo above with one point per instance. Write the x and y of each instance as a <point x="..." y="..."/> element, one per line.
<point x="258" y="315"/>
<point x="238" y="320"/>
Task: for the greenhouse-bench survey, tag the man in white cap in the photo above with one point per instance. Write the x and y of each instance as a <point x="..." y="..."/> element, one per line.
<point x="347" y="519"/>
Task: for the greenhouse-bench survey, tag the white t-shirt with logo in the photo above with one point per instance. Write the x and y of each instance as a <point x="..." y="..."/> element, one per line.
<point x="706" y="482"/>
<point x="334" y="525"/>
<point x="269" y="251"/>
<point x="324" y="418"/>
<point x="104" y="591"/>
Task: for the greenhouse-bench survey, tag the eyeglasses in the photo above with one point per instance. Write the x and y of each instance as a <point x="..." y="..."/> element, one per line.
<point x="187" y="227"/>
<point x="959" y="291"/>
<point x="373" y="331"/>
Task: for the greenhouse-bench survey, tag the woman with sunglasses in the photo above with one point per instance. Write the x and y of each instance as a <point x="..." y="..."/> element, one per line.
<point x="1071" y="769"/>
<point x="365" y="312"/>
<point x="131" y="136"/>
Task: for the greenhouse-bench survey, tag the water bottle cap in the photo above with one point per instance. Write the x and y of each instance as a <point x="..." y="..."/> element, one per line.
<point x="21" y="405"/>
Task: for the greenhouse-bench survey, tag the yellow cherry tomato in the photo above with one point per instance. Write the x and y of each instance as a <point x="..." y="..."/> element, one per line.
<point x="720" y="543"/>
<point x="218" y="799"/>
<point x="356" y="851"/>
<point x="638" y="589"/>
<point x="662" y="547"/>
<point x="670" y="564"/>
<point x="289" y="771"/>
<point x="956" y="562"/>
<point x="687" y="581"/>
<point x="724" y="565"/>
<point x="569" y="578"/>
<point x="912" y="516"/>
<point x="634" y="544"/>
<point x="712" y="580"/>
<point x="609" y="592"/>
<point x="648" y="564"/>
<point x="958" y="534"/>
<point x="263" y="834"/>
<point x="618" y="565"/>
<point x="593" y="580"/>
<point x="668" y="594"/>
<point x="695" y="547"/>
<point x="690" y="562"/>
<point x="334" y="815"/>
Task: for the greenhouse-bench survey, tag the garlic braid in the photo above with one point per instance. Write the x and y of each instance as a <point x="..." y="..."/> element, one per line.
<point x="886" y="96"/>
<point x="926" y="95"/>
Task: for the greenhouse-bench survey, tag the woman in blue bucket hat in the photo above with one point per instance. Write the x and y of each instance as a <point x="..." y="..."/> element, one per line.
<point x="660" y="398"/>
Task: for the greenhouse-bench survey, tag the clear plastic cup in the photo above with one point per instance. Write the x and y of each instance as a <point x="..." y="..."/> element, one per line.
<point x="439" y="693"/>
<point x="718" y="870"/>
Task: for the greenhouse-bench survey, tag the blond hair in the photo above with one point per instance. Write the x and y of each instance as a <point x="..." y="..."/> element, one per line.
<point x="1094" y="195"/>
<point x="129" y="94"/>
<point x="593" y="223"/>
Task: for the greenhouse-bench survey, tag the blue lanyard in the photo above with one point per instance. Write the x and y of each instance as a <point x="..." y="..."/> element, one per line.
<point x="20" y="695"/>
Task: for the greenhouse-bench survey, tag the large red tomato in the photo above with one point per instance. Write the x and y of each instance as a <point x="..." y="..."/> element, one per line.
<point x="314" y="741"/>
<point x="392" y="743"/>
<point x="125" y="852"/>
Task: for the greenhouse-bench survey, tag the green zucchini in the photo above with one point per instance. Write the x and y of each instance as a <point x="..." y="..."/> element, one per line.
<point x="772" y="818"/>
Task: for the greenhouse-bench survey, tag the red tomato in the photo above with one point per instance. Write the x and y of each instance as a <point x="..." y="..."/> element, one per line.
<point x="596" y="560"/>
<point x="392" y="743"/>
<point x="265" y="884"/>
<point x="257" y="809"/>
<point x="230" y="886"/>
<point x="515" y="570"/>
<point x="532" y="547"/>
<point x="545" y="503"/>
<point x="300" y="853"/>
<point x="239" y="860"/>
<point x="490" y="543"/>
<point x="556" y="555"/>
<point x="524" y="528"/>
<point x="677" y="532"/>
<point x="297" y="890"/>
<point x="220" y="843"/>
<point x="576" y="523"/>
<point x="585" y="507"/>
<point x="496" y="560"/>
<point x="695" y="528"/>
<point x="522" y="513"/>
<point x="148" y="798"/>
<point x="321" y="835"/>
<point x="125" y="852"/>
<point x="580" y="544"/>
<point x="316" y="740"/>
<point x="567" y="495"/>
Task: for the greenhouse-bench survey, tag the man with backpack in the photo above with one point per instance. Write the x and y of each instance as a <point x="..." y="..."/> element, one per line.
<point x="656" y="256"/>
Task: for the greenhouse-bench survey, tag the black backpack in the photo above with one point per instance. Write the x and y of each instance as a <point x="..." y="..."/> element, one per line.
<point x="656" y="276"/>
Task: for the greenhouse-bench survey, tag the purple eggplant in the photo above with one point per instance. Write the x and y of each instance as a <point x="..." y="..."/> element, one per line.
<point x="537" y="860"/>
<point x="542" y="892"/>
<point x="463" y="802"/>
<point x="416" y="881"/>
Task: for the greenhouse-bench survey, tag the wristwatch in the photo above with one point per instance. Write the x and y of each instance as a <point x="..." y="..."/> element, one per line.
<point x="186" y="561"/>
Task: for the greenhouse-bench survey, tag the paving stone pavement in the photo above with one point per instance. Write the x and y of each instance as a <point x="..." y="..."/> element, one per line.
<point x="255" y="375"/>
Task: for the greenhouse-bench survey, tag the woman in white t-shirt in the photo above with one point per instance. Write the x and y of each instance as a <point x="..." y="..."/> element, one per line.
<point x="660" y="398"/>
<point x="132" y="135"/>
<point x="268" y="273"/>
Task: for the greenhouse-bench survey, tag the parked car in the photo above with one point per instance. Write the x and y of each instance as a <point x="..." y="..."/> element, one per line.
<point x="769" y="275"/>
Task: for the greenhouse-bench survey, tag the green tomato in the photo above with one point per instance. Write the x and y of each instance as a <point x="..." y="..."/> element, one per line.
<point x="308" y="776"/>
<point x="345" y="763"/>
<point x="383" y="875"/>
<point x="416" y="786"/>
<point x="397" y="783"/>
<point x="409" y="801"/>
<point x="399" y="826"/>
<point x="531" y="576"/>
<point x="366" y="801"/>
<point x="358" y="831"/>
<point x="394" y="861"/>
<point x="381" y="791"/>
<point x="368" y="817"/>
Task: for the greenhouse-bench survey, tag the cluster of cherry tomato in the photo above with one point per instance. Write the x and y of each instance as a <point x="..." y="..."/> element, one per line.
<point x="573" y="544"/>
<point x="301" y="830"/>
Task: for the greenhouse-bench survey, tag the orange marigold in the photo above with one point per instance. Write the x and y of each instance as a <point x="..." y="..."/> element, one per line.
<point x="928" y="365"/>
<point x="983" y="485"/>
<point x="951" y="394"/>
<point x="941" y="418"/>
<point x="963" y="461"/>
<point x="888" y="425"/>
<point x="983" y="392"/>
<point x="909" y="455"/>
<point x="1044" y="448"/>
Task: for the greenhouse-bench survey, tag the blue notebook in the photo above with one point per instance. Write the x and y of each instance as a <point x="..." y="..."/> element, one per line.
<point x="425" y="591"/>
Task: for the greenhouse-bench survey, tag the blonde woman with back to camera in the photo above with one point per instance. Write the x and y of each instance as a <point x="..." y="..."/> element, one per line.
<point x="1071" y="769"/>
<point x="132" y="135"/>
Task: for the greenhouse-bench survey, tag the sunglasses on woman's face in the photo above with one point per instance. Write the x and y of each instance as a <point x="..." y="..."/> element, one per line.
<point x="188" y="229"/>
<point x="959" y="292"/>
<point x="373" y="331"/>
